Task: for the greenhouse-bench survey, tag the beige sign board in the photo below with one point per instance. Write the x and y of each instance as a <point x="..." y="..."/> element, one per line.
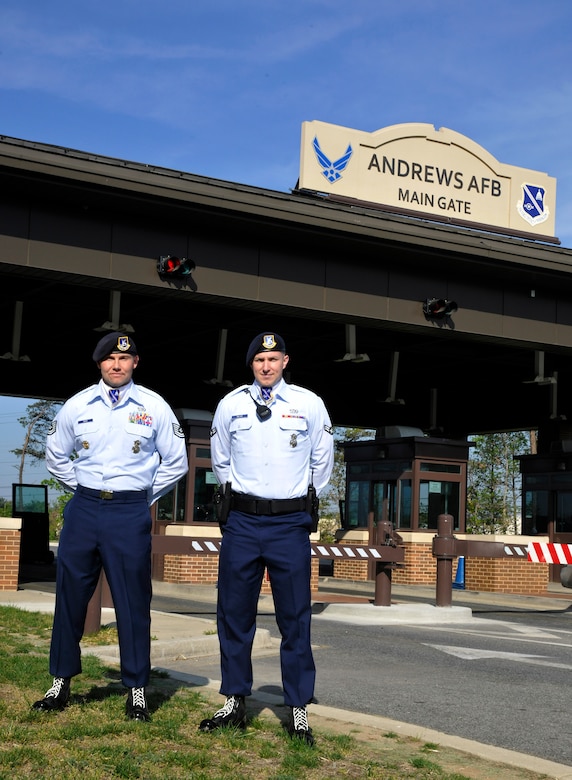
<point x="417" y="168"/>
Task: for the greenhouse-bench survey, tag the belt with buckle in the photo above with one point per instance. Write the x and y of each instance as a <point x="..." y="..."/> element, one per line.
<point x="252" y="505"/>
<point x="108" y="495"/>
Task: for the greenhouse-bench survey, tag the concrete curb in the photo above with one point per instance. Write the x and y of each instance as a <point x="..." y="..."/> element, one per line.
<point x="165" y="650"/>
<point x="417" y="614"/>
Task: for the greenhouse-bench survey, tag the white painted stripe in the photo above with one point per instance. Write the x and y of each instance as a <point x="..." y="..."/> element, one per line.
<point x="532" y="555"/>
<point x="474" y="654"/>
<point x="558" y="554"/>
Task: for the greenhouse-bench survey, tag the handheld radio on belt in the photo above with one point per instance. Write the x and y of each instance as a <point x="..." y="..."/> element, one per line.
<point x="221" y="503"/>
<point x="313" y="504"/>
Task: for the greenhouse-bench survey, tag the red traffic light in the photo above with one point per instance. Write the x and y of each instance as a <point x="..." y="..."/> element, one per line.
<point x="439" y="308"/>
<point x="169" y="265"/>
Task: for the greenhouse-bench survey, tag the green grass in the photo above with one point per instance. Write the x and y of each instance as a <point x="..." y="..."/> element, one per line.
<point x="92" y="740"/>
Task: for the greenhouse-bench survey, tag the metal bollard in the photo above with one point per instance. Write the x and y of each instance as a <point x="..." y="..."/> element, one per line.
<point x="444" y="551"/>
<point x="385" y="535"/>
<point x="382" y="595"/>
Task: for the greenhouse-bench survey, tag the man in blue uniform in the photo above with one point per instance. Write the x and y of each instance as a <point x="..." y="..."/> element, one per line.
<point x="270" y="441"/>
<point x="118" y="447"/>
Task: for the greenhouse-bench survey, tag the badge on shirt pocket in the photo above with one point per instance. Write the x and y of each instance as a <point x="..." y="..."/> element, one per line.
<point x="295" y="426"/>
<point x="139" y="436"/>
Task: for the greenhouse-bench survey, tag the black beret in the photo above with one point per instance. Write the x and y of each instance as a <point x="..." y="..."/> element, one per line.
<point x="114" y="342"/>
<point x="265" y="342"/>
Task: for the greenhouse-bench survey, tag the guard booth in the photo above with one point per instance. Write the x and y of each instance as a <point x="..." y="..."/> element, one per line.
<point x="190" y="503"/>
<point x="405" y="478"/>
<point x="547" y="487"/>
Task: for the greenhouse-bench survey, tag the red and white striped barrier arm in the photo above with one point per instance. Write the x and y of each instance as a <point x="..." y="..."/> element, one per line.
<point x="549" y="552"/>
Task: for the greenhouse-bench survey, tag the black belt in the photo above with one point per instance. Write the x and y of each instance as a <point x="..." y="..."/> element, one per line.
<point x="112" y="494"/>
<point x="266" y="506"/>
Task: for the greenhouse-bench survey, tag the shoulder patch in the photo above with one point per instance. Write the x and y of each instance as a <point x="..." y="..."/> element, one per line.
<point x="329" y="429"/>
<point x="178" y="430"/>
<point x="52" y="428"/>
<point x="213" y="432"/>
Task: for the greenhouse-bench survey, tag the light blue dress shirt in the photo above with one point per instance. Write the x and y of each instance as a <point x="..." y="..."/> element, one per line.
<point x="136" y="444"/>
<point x="278" y="457"/>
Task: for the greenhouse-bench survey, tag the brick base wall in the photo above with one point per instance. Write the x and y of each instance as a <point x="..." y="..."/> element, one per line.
<point x="203" y="570"/>
<point x="500" y="575"/>
<point x="10" y="534"/>
<point x="195" y="569"/>
<point x="349" y="569"/>
<point x="496" y="575"/>
<point x="420" y="566"/>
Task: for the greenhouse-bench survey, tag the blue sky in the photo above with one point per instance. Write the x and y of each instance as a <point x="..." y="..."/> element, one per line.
<point x="221" y="88"/>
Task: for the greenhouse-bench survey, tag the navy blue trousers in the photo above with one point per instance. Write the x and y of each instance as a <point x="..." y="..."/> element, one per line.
<point x="281" y="543"/>
<point x="116" y="535"/>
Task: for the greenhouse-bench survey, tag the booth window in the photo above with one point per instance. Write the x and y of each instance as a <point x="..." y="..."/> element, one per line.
<point x="437" y="498"/>
<point x="202" y="484"/>
<point x="547" y="503"/>
<point x="171" y="506"/>
<point x="443" y="468"/>
<point x="535" y="512"/>
<point x="564" y="513"/>
<point x="357" y="504"/>
<point x="205" y="485"/>
<point x="405" y="504"/>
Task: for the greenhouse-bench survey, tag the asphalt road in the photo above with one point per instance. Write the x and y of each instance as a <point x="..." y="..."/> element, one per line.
<point x="503" y="678"/>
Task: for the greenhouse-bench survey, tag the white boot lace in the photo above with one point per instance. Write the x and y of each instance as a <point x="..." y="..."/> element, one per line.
<point x="300" y="718"/>
<point x="138" y="698"/>
<point x="227" y="708"/>
<point x="56" y="688"/>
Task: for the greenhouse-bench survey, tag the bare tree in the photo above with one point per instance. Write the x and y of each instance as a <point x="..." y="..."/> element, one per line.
<point x="39" y="416"/>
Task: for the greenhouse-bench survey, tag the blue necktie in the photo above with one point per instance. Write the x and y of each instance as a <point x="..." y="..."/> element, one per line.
<point x="266" y="393"/>
<point x="114" y="395"/>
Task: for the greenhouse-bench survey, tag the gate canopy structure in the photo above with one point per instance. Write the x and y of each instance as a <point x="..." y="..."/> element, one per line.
<point x="351" y="287"/>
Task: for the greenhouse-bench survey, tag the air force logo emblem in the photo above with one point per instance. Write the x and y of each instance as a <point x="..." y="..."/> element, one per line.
<point x="532" y="207"/>
<point x="332" y="170"/>
<point x="123" y="343"/>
